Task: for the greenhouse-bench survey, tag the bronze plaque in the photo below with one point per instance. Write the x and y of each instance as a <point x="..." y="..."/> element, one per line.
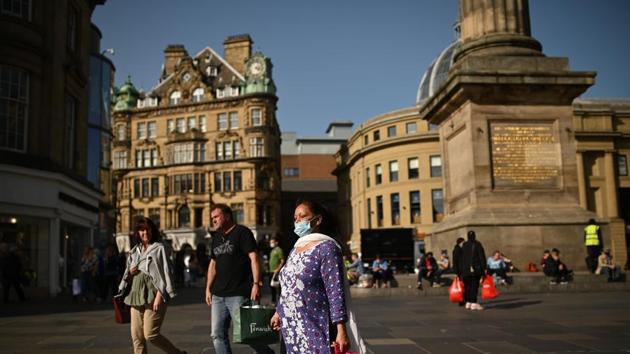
<point x="524" y="155"/>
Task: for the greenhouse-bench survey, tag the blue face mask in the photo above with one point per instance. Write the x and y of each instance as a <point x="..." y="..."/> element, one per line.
<point x="303" y="227"/>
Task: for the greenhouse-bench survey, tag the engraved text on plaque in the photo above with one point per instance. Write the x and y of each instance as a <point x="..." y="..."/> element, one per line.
<point x="524" y="155"/>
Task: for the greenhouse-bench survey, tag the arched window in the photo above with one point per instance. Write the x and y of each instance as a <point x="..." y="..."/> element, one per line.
<point x="184" y="217"/>
<point x="198" y="94"/>
<point x="175" y="98"/>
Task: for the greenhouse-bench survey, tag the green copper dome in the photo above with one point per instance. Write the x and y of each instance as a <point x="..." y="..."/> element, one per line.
<point x="126" y="96"/>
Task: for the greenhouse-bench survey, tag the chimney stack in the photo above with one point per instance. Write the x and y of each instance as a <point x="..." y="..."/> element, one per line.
<point x="172" y="56"/>
<point x="236" y="50"/>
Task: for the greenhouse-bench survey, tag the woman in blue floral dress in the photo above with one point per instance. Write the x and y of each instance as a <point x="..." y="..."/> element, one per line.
<point x="312" y="295"/>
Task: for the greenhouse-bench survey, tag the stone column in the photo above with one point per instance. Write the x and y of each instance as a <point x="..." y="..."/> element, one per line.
<point x="581" y="180"/>
<point x="612" y="210"/>
<point x="496" y="27"/>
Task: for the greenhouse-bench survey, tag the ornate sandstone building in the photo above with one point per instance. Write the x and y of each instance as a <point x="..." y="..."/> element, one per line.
<point x="499" y="145"/>
<point x="206" y="134"/>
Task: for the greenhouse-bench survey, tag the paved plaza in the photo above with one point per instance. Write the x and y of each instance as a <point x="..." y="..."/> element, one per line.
<point x="398" y="323"/>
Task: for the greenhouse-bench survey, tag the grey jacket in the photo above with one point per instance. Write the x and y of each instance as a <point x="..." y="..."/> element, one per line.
<point x="155" y="264"/>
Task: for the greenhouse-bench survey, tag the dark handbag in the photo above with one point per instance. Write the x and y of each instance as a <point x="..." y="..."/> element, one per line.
<point x="122" y="311"/>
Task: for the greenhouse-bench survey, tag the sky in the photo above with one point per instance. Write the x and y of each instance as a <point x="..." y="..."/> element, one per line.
<point x="351" y="59"/>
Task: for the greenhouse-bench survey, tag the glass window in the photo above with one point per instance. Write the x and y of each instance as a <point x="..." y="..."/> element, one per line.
<point x="412" y="166"/>
<point x="136" y="188"/>
<point x="181" y="125"/>
<point x="154" y="157"/>
<point x="393" y="171"/>
<point x="365" y="140"/>
<point x="367" y="177"/>
<point x="198" y="94"/>
<point x="395" y="208"/>
<point x="184" y="216"/>
<point x="376" y="135"/>
<point x="218" y="149"/>
<point x="202" y="123"/>
<point x="622" y="165"/>
<point x="192" y="122"/>
<point x="220" y="92"/>
<point x="411" y="127"/>
<point x="438" y="204"/>
<point x="170" y="126"/>
<point x="236" y="149"/>
<point x="146" y="154"/>
<point x="369" y="213"/>
<point x="233" y="120"/>
<point x="145" y="188"/>
<point x="414" y="202"/>
<point x="217" y="181"/>
<point x="291" y="172"/>
<point x="122" y="132"/>
<point x="436" y="166"/>
<point x="200" y="152"/>
<point x="70" y="131"/>
<point x="120" y="159"/>
<point x="238" y="181"/>
<point x="256" y="147"/>
<point x="227" y="181"/>
<point x="227" y="150"/>
<point x="17" y="8"/>
<point x="175" y="98"/>
<point x="152" y="130"/>
<point x="222" y="121"/>
<point x="391" y="131"/>
<point x="256" y="116"/>
<point x="433" y="126"/>
<point x="379" y="211"/>
<point x="14" y="104"/>
<point x="155" y="187"/>
<point x="378" y="174"/>
<point x="238" y="212"/>
<point x="142" y="131"/>
<point x="138" y="158"/>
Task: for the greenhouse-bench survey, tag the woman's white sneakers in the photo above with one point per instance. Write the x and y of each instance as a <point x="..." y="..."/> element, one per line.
<point x="471" y="306"/>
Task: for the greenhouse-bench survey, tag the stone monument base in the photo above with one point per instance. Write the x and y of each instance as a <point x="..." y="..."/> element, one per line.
<point x="521" y="233"/>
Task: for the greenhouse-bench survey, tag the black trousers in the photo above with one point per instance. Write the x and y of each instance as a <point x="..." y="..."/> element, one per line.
<point x="593" y="255"/>
<point x="7" y="283"/>
<point x="471" y="288"/>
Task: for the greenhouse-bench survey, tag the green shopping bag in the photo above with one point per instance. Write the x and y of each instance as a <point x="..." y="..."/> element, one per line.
<point x="251" y="325"/>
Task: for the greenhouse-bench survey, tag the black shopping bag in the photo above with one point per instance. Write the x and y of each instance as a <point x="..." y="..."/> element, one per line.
<point x="251" y="325"/>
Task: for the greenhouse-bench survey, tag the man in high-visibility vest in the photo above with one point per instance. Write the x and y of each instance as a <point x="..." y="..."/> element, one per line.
<point x="593" y="243"/>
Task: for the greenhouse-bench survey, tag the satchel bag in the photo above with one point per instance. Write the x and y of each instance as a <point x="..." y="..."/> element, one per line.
<point x="488" y="289"/>
<point x="252" y="325"/>
<point x="456" y="291"/>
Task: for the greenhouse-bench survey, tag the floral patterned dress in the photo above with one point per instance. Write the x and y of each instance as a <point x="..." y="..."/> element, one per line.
<point x="312" y="296"/>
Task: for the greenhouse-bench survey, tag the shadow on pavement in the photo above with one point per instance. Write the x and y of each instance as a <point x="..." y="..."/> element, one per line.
<point x="512" y="305"/>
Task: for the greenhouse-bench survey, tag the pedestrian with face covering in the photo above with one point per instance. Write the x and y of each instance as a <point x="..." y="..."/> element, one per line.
<point x="312" y="283"/>
<point x="472" y="267"/>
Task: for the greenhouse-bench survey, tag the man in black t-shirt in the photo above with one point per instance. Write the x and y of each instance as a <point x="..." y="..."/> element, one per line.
<point x="233" y="275"/>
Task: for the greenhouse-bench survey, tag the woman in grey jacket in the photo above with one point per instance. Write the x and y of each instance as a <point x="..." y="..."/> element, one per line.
<point x="149" y="272"/>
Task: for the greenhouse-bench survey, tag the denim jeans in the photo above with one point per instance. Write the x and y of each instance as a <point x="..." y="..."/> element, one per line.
<point x="223" y="309"/>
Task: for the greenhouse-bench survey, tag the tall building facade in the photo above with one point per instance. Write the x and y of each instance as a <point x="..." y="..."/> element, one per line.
<point x="307" y="165"/>
<point x="206" y="134"/>
<point x="49" y="208"/>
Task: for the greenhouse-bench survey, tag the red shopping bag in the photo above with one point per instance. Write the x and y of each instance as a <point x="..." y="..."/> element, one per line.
<point x="338" y="351"/>
<point x="488" y="290"/>
<point x="456" y="291"/>
<point x="122" y="311"/>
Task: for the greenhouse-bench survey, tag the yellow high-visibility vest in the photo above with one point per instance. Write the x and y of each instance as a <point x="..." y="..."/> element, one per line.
<point x="591" y="235"/>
